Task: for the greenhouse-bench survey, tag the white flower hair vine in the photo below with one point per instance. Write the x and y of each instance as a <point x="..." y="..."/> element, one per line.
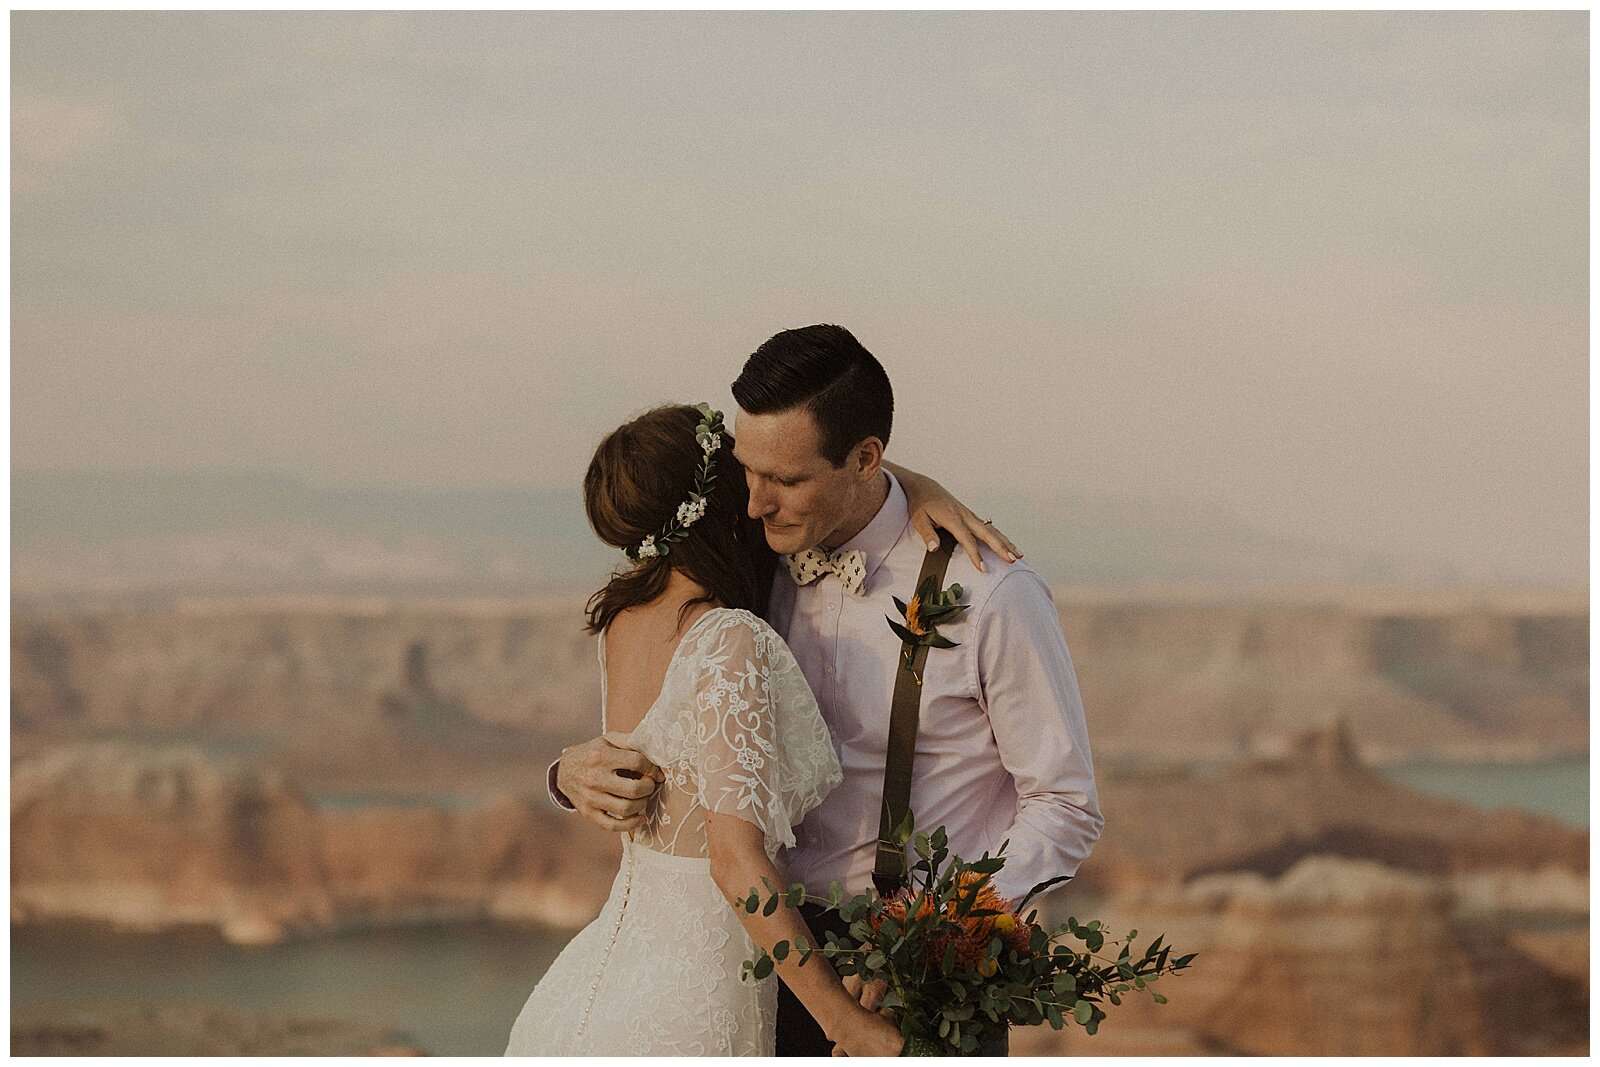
<point x="709" y="436"/>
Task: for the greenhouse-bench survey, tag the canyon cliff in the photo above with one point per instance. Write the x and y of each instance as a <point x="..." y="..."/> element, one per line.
<point x="289" y="770"/>
<point x="480" y="693"/>
<point x="1264" y="815"/>
<point x="1336" y="957"/>
<point x="148" y="837"/>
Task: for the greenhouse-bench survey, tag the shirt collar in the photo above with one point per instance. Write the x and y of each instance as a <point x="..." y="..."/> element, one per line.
<point x="880" y="535"/>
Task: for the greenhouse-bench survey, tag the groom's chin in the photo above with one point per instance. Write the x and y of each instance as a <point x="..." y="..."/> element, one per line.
<point x="785" y="540"/>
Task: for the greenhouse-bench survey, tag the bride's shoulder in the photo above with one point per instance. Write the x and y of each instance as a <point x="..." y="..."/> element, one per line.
<point x="739" y="623"/>
<point x="720" y="618"/>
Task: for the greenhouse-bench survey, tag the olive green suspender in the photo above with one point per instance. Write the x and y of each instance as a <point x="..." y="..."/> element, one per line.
<point x="889" y="871"/>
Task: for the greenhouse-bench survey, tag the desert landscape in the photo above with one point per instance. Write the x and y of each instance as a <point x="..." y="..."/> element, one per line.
<point x="1264" y="334"/>
<point x="278" y="771"/>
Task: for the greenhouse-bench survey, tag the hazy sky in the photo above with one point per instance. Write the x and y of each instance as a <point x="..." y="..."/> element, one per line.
<point x="1330" y="270"/>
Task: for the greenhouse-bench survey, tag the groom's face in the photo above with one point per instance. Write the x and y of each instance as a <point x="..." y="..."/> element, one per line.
<point x="801" y="499"/>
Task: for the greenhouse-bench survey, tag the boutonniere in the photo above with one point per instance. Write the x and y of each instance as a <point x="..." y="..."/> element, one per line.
<point x="929" y="607"/>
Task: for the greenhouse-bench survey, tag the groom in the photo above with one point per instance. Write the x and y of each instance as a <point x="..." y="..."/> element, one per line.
<point x="1002" y="751"/>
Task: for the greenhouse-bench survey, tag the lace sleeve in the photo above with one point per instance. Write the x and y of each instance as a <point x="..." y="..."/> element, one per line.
<point x="764" y="751"/>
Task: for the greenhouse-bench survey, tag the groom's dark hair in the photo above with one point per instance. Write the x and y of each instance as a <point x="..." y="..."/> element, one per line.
<point x="826" y="370"/>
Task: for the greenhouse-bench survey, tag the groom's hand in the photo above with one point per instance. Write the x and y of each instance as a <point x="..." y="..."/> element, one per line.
<point x="870" y="996"/>
<point x="608" y="783"/>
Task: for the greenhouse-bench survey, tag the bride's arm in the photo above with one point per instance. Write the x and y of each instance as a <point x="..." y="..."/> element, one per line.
<point x="931" y="505"/>
<point x="738" y="863"/>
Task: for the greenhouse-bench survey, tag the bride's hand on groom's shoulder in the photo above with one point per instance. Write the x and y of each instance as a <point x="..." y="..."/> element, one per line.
<point x="608" y="783"/>
<point x="933" y="508"/>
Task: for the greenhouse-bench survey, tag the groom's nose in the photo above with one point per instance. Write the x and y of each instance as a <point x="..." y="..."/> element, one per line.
<point x="762" y="501"/>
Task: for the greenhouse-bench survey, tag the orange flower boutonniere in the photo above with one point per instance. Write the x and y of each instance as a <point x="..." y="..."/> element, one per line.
<point x="929" y="607"/>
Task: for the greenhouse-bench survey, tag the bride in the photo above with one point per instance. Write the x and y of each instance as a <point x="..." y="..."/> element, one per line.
<point x="713" y="696"/>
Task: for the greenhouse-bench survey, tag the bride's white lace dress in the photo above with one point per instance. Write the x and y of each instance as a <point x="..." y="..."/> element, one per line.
<point x="736" y="731"/>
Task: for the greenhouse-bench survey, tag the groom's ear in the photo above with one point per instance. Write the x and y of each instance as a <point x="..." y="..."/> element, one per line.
<point x="867" y="459"/>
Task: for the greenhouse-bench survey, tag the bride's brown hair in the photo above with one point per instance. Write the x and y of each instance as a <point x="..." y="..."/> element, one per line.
<point x="640" y="474"/>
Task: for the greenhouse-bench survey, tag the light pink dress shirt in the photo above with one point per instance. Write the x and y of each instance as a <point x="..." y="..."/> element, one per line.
<point x="1002" y="748"/>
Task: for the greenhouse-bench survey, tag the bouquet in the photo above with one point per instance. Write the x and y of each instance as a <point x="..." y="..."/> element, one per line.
<point x="961" y="962"/>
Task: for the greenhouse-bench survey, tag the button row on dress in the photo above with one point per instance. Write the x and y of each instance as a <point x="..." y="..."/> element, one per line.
<point x="616" y="930"/>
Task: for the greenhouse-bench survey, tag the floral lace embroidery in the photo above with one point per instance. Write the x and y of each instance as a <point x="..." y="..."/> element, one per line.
<point x="738" y="732"/>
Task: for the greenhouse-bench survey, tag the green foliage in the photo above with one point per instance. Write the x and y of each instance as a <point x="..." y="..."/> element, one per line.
<point x="708" y="435"/>
<point x="1013" y="971"/>
<point x="934" y="607"/>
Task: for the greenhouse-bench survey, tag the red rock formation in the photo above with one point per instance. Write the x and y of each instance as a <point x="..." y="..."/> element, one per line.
<point x="1177" y="680"/>
<point x="1266" y="815"/>
<point x="149" y="837"/>
<point x="1333" y="957"/>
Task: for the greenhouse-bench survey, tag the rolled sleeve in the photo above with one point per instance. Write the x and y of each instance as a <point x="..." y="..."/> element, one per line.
<point x="557" y="797"/>
<point x="1029" y="690"/>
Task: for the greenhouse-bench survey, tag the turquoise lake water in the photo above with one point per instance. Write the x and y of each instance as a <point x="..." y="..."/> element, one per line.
<point x="455" y="990"/>
<point x="1558" y="787"/>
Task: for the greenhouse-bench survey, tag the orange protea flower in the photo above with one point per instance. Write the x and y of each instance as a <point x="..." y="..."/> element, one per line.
<point x="1012" y="931"/>
<point x="971" y="882"/>
<point x="1018" y="938"/>
<point x="897" y="906"/>
<point x="970" y="934"/>
<point x="914" y="617"/>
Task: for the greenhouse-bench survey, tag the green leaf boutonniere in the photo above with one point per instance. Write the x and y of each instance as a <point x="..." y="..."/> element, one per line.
<point x="928" y="608"/>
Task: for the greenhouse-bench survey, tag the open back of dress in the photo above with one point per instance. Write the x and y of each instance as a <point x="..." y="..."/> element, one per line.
<point x="736" y="731"/>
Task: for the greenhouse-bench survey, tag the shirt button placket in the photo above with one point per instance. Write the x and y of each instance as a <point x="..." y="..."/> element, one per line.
<point x="835" y="608"/>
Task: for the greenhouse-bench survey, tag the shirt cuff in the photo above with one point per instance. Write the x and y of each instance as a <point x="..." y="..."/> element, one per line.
<point x="557" y="797"/>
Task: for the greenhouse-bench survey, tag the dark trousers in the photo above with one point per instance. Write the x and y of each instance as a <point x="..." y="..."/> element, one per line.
<point x="798" y="1033"/>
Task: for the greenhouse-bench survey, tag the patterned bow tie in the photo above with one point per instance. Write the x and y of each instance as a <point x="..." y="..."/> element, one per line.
<point x="851" y="567"/>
